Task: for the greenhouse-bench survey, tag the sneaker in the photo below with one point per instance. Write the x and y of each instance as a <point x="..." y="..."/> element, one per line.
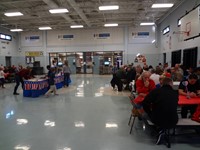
<point x="161" y="133"/>
<point x="15" y="93"/>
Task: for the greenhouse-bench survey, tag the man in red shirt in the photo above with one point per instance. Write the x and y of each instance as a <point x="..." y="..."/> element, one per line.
<point x="20" y="76"/>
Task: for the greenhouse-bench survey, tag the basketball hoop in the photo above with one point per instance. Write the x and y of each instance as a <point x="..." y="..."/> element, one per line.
<point x="187" y="33"/>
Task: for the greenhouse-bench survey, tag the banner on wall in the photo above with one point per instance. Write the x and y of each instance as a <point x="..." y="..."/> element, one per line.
<point x="66" y="37"/>
<point x="34" y="53"/>
<point x="140" y="35"/>
<point x="32" y="38"/>
<point x="101" y="35"/>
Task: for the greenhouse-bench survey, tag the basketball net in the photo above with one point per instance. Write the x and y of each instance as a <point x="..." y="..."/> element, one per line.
<point x="181" y="35"/>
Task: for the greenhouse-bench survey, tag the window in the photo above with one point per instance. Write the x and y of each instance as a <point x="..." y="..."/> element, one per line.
<point x="5" y="37"/>
<point x="166" y="30"/>
<point x="179" y="22"/>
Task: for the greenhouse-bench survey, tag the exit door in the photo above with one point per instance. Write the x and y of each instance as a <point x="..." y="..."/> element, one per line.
<point x="84" y="62"/>
<point x="8" y="61"/>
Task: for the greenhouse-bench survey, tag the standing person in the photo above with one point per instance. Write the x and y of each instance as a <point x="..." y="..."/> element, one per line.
<point x="54" y="64"/>
<point x="17" y="80"/>
<point x="51" y="83"/>
<point x="20" y="76"/>
<point x="114" y="71"/>
<point x="66" y="71"/>
<point x="2" y="77"/>
<point x="49" y="71"/>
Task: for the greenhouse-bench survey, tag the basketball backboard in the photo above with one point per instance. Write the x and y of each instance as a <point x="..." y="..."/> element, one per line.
<point x="190" y="24"/>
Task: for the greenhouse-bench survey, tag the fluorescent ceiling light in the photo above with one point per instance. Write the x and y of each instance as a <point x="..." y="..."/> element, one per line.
<point x="111" y="25"/>
<point x="113" y="7"/>
<point x="163" y="5"/>
<point x="76" y="26"/>
<point x="45" y="28"/>
<point x="11" y="14"/>
<point x="147" y="23"/>
<point x="16" y="30"/>
<point x="56" y="11"/>
<point x="153" y="41"/>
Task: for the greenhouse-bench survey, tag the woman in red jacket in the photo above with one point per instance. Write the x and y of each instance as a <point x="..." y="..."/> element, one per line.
<point x="143" y="86"/>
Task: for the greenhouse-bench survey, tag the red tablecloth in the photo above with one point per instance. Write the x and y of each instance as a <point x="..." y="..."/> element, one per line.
<point x="184" y="101"/>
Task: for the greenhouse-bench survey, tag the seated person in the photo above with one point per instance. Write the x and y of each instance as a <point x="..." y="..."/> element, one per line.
<point x="161" y="105"/>
<point x="160" y="81"/>
<point x="120" y="75"/>
<point x="192" y="89"/>
<point x="143" y="86"/>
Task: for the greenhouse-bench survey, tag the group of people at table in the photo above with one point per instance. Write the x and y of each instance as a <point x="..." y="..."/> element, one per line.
<point x="160" y="104"/>
<point x="26" y="74"/>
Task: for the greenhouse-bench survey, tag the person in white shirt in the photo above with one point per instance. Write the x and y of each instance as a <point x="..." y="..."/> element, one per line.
<point x="155" y="77"/>
<point x="66" y="71"/>
<point x="2" y="77"/>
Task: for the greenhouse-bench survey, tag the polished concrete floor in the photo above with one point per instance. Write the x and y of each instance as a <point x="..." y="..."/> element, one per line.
<point x="88" y="115"/>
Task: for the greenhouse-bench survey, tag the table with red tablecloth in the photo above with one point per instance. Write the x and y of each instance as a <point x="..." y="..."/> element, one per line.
<point x="183" y="100"/>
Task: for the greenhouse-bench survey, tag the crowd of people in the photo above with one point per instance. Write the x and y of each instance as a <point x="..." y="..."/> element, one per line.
<point x="156" y="99"/>
<point x="156" y="96"/>
<point x="127" y="73"/>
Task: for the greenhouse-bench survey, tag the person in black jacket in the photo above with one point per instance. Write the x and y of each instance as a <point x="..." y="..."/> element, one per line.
<point x="189" y="88"/>
<point x="51" y="83"/>
<point x="161" y="105"/>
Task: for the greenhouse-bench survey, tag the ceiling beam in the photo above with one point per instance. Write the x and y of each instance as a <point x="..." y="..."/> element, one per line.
<point x="53" y="5"/>
<point x="17" y="1"/>
<point x="79" y="11"/>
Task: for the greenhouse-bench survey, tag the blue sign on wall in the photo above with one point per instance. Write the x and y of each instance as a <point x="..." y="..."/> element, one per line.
<point x="102" y="35"/>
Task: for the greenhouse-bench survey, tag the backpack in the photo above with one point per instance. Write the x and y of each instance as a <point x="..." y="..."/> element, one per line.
<point x="196" y="115"/>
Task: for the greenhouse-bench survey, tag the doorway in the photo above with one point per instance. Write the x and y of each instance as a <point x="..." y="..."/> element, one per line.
<point x="8" y="61"/>
<point x="164" y="58"/>
<point x="190" y="57"/>
<point x="176" y="57"/>
<point x="88" y="62"/>
<point x="84" y="63"/>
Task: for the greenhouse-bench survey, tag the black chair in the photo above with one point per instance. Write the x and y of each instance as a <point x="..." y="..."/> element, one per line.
<point x="134" y="114"/>
<point x="134" y="111"/>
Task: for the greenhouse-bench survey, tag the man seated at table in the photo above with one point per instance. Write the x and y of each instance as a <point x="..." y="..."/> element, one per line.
<point x="161" y="105"/>
<point x="190" y="88"/>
